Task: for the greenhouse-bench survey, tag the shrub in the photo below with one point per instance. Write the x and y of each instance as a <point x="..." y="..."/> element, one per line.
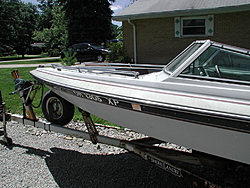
<point x="69" y="58"/>
<point x="117" y="52"/>
<point x="53" y="52"/>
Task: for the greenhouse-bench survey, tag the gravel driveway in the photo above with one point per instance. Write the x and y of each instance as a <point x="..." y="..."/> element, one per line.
<point x="46" y="159"/>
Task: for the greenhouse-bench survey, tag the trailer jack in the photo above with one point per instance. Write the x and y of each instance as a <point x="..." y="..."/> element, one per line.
<point x="4" y="117"/>
<point x="90" y="126"/>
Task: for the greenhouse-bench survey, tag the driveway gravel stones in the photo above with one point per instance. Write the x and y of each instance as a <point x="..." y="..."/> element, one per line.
<point x="44" y="159"/>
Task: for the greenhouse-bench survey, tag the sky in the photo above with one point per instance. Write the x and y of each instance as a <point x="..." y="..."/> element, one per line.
<point x="117" y="6"/>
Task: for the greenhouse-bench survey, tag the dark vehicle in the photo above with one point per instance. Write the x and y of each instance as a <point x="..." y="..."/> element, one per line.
<point x="87" y="52"/>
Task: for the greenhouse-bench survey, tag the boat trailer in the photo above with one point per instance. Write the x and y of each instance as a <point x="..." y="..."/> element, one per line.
<point x="150" y="149"/>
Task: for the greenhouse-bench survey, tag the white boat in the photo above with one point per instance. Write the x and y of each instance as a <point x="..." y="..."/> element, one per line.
<point x="200" y="100"/>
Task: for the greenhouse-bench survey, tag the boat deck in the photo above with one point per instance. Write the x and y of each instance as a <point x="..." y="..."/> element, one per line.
<point x="113" y="68"/>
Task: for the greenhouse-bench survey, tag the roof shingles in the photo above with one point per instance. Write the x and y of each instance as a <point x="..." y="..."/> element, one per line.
<point x="157" y="8"/>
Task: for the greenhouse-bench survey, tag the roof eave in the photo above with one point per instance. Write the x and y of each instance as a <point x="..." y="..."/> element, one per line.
<point x="188" y="12"/>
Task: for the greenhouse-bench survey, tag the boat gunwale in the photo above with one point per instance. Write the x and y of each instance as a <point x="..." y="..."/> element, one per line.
<point x="144" y="89"/>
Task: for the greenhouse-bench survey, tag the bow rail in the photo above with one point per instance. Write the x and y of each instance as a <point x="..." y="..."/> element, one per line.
<point x="112" y="68"/>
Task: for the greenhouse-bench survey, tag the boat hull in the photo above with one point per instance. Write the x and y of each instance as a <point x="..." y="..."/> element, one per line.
<point x="206" y="118"/>
<point x="214" y="140"/>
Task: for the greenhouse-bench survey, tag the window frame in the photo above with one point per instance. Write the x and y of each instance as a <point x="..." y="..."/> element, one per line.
<point x="209" y="26"/>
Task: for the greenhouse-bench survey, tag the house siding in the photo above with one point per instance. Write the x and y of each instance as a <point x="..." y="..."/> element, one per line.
<point x="156" y="43"/>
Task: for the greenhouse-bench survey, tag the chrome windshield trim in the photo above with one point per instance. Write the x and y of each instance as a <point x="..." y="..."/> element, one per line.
<point x="191" y="58"/>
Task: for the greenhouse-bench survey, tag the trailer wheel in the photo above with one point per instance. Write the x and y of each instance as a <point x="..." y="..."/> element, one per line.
<point x="56" y="109"/>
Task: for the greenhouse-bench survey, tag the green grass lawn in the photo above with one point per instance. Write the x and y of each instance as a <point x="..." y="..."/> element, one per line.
<point x="14" y="103"/>
<point x="19" y="57"/>
<point x="57" y="60"/>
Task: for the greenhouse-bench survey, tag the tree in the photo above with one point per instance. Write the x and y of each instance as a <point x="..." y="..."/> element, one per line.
<point x="117" y="31"/>
<point x="18" y="21"/>
<point x="89" y="20"/>
<point x="54" y="37"/>
<point x="45" y="16"/>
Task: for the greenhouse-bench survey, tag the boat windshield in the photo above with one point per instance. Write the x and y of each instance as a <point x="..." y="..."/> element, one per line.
<point x="221" y="62"/>
<point x="179" y="60"/>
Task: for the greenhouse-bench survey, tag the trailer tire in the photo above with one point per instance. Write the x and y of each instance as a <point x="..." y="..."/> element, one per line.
<point x="56" y="109"/>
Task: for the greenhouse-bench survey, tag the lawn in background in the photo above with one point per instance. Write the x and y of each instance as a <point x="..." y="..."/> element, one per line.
<point x="27" y="61"/>
<point x="19" y="57"/>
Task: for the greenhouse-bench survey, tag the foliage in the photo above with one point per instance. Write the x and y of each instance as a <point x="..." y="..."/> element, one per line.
<point x="117" y="31"/>
<point x="18" y="21"/>
<point x="117" y="54"/>
<point x="54" y="37"/>
<point x="58" y="23"/>
<point x="116" y="48"/>
<point x="69" y="58"/>
<point x="53" y="52"/>
<point x="89" y="20"/>
<point x="6" y="50"/>
<point x="45" y="16"/>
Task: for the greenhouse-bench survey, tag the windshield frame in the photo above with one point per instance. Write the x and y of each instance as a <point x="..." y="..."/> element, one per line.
<point x="186" y="57"/>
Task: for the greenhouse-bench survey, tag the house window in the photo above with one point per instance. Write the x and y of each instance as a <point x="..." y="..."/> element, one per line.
<point x="194" y="26"/>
